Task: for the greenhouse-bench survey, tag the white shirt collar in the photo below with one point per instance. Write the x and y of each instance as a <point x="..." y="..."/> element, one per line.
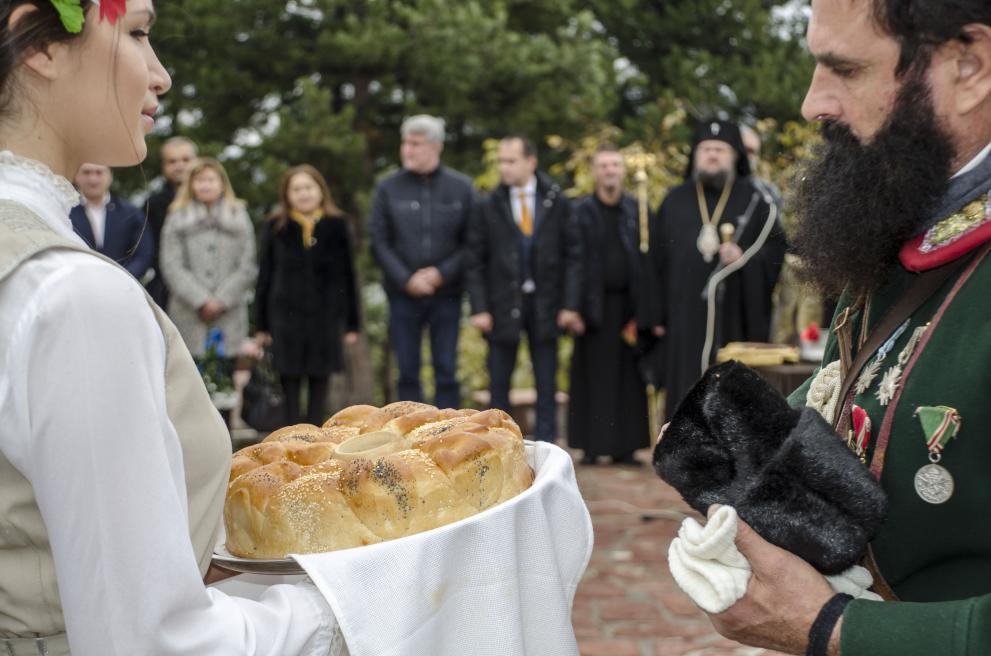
<point x="530" y="188"/>
<point x="102" y="205"/>
<point x="974" y="163"/>
<point x="34" y="185"/>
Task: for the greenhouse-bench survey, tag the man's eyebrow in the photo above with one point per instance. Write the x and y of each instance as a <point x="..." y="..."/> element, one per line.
<point x="834" y="61"/>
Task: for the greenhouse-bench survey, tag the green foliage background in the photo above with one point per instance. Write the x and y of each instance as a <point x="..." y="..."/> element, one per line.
<point x="266" y="84"/>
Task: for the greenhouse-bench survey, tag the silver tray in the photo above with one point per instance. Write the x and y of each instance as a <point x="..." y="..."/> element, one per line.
<point x="223" y="558"/>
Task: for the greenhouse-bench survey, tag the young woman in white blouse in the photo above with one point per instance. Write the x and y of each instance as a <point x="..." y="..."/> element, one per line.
<point x="109" y="507"/>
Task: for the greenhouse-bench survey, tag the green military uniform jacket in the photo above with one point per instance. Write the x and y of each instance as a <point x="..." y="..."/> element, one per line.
<point x="936" y="558"/>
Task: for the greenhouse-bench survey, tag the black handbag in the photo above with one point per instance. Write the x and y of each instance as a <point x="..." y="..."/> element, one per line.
<point x="263" y="405"/>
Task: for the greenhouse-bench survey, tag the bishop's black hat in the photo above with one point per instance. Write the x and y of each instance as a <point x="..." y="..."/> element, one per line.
<point x="720" y="130"/>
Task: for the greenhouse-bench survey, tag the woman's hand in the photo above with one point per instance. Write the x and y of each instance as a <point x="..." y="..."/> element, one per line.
<point x="211" y="309"/>
<point x="660" y="436"/>
<point x="252" y="349"/>
<point x="351" y="338"/>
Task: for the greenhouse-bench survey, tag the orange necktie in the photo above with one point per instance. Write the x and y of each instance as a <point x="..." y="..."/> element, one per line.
<point x="526" y="221"/>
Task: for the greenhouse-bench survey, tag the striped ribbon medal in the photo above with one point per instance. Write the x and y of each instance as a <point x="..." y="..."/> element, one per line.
<point x="860" y="433"/>
<point x="940" y="424"/>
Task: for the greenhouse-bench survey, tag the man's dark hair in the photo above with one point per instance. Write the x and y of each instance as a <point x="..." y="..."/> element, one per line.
<point x="605" y="147"/>
<point x="529" y="148"/>
<point x="921" y="26"/>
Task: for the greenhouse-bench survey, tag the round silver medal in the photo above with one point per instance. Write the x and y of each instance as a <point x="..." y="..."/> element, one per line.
<point x="934" y="484"/>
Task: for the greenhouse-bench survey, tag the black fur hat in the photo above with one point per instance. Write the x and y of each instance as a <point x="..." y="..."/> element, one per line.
<point x="719" y="130"/>
<point x="734" y="440"/>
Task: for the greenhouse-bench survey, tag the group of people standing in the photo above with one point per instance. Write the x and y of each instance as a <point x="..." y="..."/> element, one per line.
<point x="114" y="463"/>
<point x="642" y="305"/>
<point x="201" y="261"/>
<point x="533" y="261"/>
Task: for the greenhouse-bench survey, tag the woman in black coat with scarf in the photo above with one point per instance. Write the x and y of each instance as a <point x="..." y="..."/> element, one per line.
<point x="306" y="293"/>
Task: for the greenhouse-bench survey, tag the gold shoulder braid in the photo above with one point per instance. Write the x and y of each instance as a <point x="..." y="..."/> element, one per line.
<point x="956" y="225"/>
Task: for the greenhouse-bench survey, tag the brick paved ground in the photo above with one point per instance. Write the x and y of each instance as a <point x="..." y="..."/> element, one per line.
<point x="627" y="603"/>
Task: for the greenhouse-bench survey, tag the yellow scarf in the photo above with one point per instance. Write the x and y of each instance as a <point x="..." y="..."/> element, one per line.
<point x="307" y="222"/>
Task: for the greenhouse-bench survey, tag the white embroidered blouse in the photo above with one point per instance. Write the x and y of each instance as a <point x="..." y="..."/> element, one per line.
<point x="82" y="364"/>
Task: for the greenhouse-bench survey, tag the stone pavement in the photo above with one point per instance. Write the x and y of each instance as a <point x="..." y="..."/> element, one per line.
<point x="627" y="603"/>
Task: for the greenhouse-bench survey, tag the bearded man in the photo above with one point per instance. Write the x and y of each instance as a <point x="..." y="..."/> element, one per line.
<point x="894" y="216"/>
<point x="716" y="251"/>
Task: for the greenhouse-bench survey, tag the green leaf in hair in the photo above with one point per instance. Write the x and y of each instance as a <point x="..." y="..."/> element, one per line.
<point x="71" y="14"/>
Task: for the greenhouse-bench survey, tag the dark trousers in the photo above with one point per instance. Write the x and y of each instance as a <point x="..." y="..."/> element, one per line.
<point x="316" y="406"/>
<point x="543" y="356"/>
<point x="407" y="318"/>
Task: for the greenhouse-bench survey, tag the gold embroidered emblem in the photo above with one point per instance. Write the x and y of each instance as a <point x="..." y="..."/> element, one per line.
<point x="956" y="225"/>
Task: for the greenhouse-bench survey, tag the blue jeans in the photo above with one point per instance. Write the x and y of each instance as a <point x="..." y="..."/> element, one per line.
<point x="543" y="355"/>
<point x="407" y="318"/>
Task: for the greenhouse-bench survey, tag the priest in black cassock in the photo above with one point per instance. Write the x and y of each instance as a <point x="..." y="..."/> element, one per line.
<point x="716" y="250"/>
<point x="607" y="408"/>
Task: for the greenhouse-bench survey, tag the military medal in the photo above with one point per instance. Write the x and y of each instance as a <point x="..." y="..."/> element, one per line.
<point x="708" y="240"/>
<point x="892" y="377"/>
<point x="860" y="435"/>
<point x="940" y="424"/>
<point x="871" y="371"/>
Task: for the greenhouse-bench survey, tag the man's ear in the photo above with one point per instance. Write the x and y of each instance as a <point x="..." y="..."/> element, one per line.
<point x="972" y="85"/>
<point x="39" y="62"/>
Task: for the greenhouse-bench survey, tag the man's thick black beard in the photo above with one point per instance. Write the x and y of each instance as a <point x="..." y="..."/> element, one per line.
<point x="714" y="181"/>
<point x="857" y="204"/>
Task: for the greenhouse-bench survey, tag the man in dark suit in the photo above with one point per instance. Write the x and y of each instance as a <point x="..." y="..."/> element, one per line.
<point x="524" y="273"/>
<point x="177" y="154"/>
<point x="110" y="225"/>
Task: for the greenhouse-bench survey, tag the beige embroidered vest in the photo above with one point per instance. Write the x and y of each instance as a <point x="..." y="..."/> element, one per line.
<point x="31" y="621"/>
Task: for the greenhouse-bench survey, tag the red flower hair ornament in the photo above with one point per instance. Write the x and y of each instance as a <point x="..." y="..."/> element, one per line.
<point x="71" y="12"/>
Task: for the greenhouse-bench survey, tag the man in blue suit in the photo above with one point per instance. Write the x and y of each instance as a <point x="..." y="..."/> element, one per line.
<point x="110" y="225"/>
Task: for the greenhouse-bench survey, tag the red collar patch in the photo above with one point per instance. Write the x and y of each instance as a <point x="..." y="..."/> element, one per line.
<point x="951" y="238"/>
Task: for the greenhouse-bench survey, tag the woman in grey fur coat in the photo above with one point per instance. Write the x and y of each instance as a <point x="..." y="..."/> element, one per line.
<point x="208" y="258"/>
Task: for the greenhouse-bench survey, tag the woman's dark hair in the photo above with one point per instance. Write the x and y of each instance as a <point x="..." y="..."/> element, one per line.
<point x="281" y="214"/>
<point x="921" y="26"/>
<point x="35" y="31"/>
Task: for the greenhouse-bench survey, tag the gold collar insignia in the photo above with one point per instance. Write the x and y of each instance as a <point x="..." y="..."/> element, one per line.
<point x="957" y="225"/>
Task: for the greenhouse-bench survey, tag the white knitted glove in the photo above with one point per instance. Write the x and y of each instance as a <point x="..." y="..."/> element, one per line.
<point x="706" y="563"/>
<point x="709" y="568"/>
<point x="854" y="582"/>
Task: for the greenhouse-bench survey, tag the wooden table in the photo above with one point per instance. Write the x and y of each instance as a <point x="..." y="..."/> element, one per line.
<point x="787" y="377"/>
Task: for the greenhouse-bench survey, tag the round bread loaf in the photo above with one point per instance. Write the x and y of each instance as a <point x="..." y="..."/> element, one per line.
<point x="368" y="475"/>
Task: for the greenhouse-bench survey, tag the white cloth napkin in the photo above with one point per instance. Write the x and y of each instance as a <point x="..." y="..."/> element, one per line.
<point x="709" y="568"/>
<point x="500" y="583"/>
<point x="855" y="582"/>
<point x="706" y="564"/>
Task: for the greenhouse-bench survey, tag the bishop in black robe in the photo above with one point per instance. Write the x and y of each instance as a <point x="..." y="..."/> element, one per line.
<point x="747" y="261"/>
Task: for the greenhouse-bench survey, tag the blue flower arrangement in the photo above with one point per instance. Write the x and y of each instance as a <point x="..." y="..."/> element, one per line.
<point x="217" y="370"/>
